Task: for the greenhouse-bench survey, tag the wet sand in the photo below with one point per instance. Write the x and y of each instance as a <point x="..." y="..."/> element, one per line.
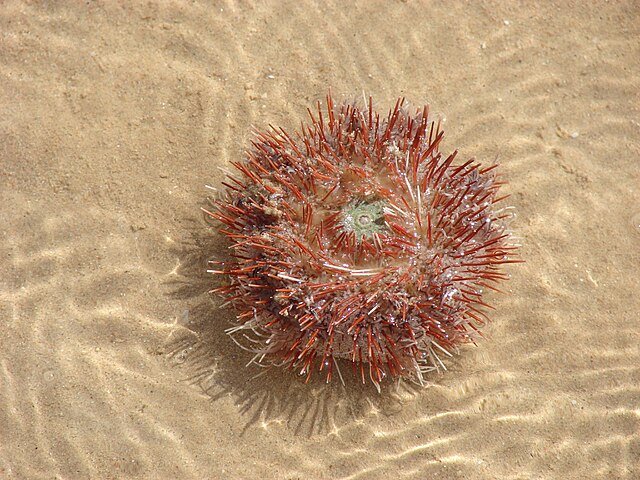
<point x="113" y="360"/>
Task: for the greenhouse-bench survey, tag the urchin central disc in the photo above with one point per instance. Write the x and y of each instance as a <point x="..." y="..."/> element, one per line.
<point x="364" y="218"/>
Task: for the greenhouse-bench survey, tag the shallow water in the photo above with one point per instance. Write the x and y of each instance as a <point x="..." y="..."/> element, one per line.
<point x="113" y="360"/>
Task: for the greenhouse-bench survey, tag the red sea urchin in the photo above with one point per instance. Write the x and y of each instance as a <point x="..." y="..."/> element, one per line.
<point x="359" y="240"/>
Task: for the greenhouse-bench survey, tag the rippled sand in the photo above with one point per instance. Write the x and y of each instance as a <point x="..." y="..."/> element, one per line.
<point x="113" y="361"/>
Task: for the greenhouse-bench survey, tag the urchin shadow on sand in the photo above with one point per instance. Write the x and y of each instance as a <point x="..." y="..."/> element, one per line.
<point x="210" y="359"/>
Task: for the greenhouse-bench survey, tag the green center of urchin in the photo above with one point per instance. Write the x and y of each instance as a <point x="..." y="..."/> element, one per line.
<point x="364" y="218"/>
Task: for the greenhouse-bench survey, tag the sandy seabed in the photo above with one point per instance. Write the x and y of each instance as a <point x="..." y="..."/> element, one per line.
<point x="113" y="117"/>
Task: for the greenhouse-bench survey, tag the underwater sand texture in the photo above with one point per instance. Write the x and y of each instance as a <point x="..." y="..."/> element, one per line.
<point x="113" y="117"/>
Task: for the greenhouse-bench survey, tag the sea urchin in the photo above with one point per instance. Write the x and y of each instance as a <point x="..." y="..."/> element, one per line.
<point x="358" y="240"/>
